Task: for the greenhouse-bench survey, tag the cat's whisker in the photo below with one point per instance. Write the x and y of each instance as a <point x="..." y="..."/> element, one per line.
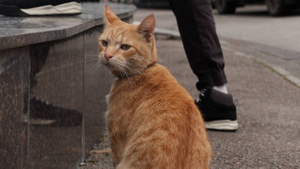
<point x="134" y="71"/>
<point x="128" y="66"/>
<point x="129" y="78"/>
<point x="91" y="55"/>
<point x="93" y="70"/>
<point x="123" y="72"/>
<point x="92" y="61"/>
<point x="94" y="65"/>
<point x="132" y="68"/>
<point x="92" y="58"/>
<point x="121" y="66"/>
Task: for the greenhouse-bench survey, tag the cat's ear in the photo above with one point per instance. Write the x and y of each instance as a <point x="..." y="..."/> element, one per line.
<point x="110" y="16"/>
<point x="146" y="28"/>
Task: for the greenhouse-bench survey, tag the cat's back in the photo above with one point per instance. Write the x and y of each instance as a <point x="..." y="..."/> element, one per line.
<point x="165" y="124"/>
<point x="154" y="80"/>
<point x="165" y="87"/>
<point x="155" y="84"/>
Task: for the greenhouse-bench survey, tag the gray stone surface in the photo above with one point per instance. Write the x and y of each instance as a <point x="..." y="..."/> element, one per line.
<point x="51" y="58"/>
<point x="22" y="31"/>
<point x="14" y="81"/>
<point x="57" y="77"/>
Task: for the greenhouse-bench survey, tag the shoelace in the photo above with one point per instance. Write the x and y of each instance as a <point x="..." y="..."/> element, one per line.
<point x="201" y="95"/>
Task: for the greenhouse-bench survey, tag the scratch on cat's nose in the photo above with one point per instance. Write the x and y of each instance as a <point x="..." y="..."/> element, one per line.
<point x="108" y="56"/>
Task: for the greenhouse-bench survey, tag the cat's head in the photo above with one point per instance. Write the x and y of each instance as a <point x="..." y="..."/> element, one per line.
<point x="127" y="49"/>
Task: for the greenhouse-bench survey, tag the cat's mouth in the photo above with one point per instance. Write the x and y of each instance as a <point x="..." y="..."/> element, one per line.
<point x="108" y="64"/>
<point x="105" y="62"/>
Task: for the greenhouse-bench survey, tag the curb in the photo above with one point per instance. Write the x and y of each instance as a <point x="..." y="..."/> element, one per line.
<point x="277" y="69"/>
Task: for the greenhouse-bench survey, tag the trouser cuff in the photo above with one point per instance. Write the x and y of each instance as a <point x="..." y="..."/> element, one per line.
<point x="215" y="78"/>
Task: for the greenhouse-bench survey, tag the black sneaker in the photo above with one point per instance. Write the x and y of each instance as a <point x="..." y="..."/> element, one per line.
<point x="40" y="7"/>
<point x="44" y="113"/>
<point x="218" y="110"/>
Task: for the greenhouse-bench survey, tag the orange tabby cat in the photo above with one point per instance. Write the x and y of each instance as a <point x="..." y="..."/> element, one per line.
<point x="152" y="120"/>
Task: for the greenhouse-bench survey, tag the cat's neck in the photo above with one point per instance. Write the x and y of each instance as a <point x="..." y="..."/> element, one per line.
<point x="122" y="76"/>
<point x="154" y="74"/>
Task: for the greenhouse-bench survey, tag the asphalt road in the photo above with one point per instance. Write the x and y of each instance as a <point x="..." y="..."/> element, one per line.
<point x="250" y="23"/>
<point x="254" y="24"/>
<point x="263" y="75"/>
<point x="252" y="32"/>
<point x="268" y="115"/>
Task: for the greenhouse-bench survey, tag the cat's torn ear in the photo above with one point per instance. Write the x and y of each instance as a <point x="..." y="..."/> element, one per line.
<point x="110" y="16"/>
<point x="147" y="26"/>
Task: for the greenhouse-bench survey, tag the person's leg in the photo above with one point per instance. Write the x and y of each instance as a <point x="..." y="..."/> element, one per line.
<point x="197" y="28"/>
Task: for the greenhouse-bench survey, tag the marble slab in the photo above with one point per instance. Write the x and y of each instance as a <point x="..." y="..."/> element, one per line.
<point x="23" y="31"/>
<point x="52" y="92"/>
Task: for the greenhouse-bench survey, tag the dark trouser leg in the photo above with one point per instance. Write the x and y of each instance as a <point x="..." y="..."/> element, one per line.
<point x="197" y="28"/>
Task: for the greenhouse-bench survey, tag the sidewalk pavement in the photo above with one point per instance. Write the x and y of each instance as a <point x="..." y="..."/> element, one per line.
<point x="268" y="113"/>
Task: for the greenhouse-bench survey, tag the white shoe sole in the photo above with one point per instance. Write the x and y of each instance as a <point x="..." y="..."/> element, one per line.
<point x="222" y="125"/>
<point x="66" y="8"/>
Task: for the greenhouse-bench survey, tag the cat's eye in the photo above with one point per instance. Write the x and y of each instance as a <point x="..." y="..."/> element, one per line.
<point x="125" y="47"/>
<point x="104" y="43"/>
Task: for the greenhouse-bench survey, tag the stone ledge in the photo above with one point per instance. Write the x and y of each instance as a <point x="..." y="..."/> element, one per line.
<point x="23" y="31"/>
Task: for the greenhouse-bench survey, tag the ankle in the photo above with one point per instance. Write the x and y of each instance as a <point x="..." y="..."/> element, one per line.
<point x="221" y="88"/>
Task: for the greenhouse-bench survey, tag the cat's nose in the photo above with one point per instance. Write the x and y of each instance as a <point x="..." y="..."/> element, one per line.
<point x="108" y="56"/>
